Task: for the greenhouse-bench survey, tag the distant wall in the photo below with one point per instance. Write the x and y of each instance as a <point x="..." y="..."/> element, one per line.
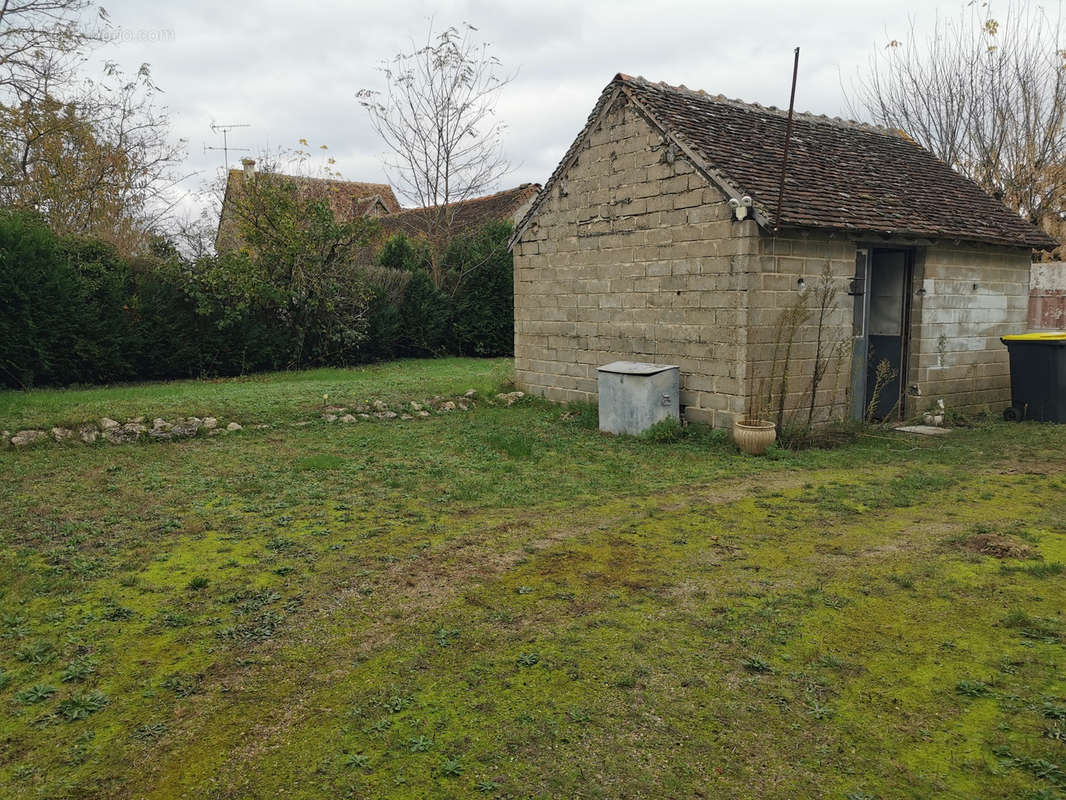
<point x="1047" y="296"/>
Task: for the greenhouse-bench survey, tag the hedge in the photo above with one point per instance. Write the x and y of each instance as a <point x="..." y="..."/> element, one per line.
<point x="73" y="312"/>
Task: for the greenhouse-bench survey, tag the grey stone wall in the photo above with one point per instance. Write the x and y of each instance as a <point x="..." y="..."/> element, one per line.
<point x="785" y="261"/>
<point x="1047" y="296"/>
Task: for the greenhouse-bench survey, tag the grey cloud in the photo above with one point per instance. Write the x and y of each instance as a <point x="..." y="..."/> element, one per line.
<point x="292" y="71"/>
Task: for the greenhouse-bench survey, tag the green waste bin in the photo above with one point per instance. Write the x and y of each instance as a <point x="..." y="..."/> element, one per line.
<point x="1037" y="376"/>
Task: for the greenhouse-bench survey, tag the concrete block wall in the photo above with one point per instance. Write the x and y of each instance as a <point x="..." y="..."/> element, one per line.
<point x="783" y="262"/>
<point x="633" y="258"/>
<point x="973" y="295"/>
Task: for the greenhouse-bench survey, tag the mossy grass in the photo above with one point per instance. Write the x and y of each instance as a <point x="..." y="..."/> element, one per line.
<point x="507" y="603"/>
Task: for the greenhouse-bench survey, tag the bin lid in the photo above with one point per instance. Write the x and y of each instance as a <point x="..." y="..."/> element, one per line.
<point x="635" y="368"/>
<point x="1046" y="336"/>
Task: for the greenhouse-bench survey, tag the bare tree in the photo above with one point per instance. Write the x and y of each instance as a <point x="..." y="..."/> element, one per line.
<point x="437" y="117"/>
<point x="987" y="94"/>
<point x="40" y="43"/>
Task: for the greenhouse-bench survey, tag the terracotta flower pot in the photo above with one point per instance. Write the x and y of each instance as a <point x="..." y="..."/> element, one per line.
<point x="754" y="438"/>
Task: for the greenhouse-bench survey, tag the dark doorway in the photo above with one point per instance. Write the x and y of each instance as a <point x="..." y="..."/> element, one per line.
<point x="882" y="318"/>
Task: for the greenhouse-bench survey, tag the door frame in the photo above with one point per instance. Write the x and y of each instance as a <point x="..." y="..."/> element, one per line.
<point x="859" y="290"/>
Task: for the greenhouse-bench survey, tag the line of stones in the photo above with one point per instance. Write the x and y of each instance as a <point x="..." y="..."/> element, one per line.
<point x="114" y="432"/>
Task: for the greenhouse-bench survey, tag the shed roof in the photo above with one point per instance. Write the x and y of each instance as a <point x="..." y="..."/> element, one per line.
<point x="841" y="175"/>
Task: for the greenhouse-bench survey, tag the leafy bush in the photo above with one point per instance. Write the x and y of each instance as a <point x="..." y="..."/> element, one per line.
<point x="472" y="314"/>
<point x="425" y="318"/>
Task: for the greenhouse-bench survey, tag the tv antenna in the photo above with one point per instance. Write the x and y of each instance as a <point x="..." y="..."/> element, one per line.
<point x="225" y="148"/>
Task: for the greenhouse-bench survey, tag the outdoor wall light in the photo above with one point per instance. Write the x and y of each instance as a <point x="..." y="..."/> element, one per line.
<point x="741" y="208"/>
<point x="801" y="284"/>
<point x="921" y="291"/>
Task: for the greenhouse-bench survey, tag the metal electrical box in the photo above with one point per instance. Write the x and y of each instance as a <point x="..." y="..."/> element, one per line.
<point x="634" y="396"/>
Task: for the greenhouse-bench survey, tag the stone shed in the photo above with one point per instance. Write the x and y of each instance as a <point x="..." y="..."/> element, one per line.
<point x="656" y="239"/>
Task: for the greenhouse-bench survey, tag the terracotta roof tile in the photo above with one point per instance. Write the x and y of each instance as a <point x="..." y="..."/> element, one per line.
<point x="468" y="213"/>
<point x="345" y="196"/>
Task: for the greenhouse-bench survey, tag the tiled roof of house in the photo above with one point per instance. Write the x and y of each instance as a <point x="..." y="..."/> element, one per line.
<point x="347" y="198"/>
<point x="841" y="175"/>
<point x="468" y="214"/>
<point x="373" y="206"/>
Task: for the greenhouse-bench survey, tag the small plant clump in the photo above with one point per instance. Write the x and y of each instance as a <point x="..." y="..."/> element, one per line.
<point x="665" y="431"/>
<point x="356" y="761"/>
<point x="419" y="744"/>
<point x="397" y="703"/>
<point x="757" y="665"/>
<point x="445" y="637"/>
<point x="78" y="671"/>
<point x="35" y="694"/>
<point x="452" y="768"/>
<point x="973" y="688"/>
<point x="81" y="706"/>
<point x="40" y="652"/>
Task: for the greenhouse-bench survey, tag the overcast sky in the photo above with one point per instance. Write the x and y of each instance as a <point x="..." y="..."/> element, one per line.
<point x="291" y="70"/>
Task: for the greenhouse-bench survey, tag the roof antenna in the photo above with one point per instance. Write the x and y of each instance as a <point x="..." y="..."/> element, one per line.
<point x="225" y="148"/>
<point x="788" y="137"/>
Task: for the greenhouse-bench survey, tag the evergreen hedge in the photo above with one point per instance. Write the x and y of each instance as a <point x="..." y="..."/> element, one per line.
<point x="73" y="312"/>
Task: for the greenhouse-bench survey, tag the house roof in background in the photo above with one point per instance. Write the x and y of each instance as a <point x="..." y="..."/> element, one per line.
<point x="468" y="214"/>
<point x="347" y="199"/>
<point x="842" y="175"/>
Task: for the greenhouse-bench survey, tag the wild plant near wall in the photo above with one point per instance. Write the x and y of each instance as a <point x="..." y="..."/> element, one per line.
<point x="884" y="374"/>
<point x="789" y="322"/>
<point x="811" y="315"/>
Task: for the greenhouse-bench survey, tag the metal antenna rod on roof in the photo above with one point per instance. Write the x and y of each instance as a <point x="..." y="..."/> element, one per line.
<point x="788" y="137"/>
<point x="225" y="148"/>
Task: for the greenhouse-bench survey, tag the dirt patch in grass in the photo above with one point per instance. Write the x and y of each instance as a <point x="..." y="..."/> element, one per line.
<point x="998" y="545"/>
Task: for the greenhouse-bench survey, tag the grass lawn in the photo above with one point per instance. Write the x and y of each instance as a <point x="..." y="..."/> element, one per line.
<point x="505" y="603"/>
<point x="270" y="397"/>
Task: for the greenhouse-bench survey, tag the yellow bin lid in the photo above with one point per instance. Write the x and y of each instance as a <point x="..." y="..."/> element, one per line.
<point x="1047" y="336"/>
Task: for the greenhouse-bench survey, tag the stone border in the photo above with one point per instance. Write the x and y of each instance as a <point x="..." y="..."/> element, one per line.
<point x="136" y="429"/>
